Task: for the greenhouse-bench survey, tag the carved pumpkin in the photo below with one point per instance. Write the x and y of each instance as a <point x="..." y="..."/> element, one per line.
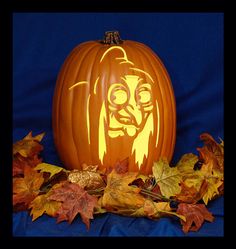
<point x="113" y="100"/>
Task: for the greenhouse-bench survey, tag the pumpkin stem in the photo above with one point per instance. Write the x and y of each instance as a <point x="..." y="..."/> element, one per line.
<point x="112" y="37"/>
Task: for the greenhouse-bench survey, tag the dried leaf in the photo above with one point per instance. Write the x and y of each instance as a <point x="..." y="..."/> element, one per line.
<point x="212" y="190"/>
<point x="19" y="162"/>
<point x="121" y="167"/>
<point x="41" y="204"/>
<point x="28" y="146"/>
<point x="195" y="215"/>
<point x="168" y="178"/>
<point x="74" y="200"/>
<point x="212" y="154"/>
<point x="191" y="194"/>
<point x="119" y="195"/>
<point x="27" y="188"/>
<point x="186" y="164"/>
<point x="49" y="168"/>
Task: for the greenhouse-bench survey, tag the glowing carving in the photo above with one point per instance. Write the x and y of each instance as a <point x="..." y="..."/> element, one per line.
<point x="78" y="84"/>
<point x="128" y="110"/>
<point x="88" y="121"/>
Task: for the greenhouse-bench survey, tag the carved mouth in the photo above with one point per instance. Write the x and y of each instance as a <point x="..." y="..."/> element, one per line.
<point x="127" y="121"/>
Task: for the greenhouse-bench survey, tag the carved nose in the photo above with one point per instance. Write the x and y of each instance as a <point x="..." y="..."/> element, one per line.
<point x="135" y="114"/>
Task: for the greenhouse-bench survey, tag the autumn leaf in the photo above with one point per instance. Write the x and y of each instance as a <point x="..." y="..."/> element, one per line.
<point x="26" y="188"/>
<point x="195" y="215"/>
<point x="186" y="164"/>
<point x="29" y="145"/>
<point x="121" y="167"/>
<point x="152" y="210"/>
<point x="191" y="194"/>
<point x="75" y="200"/>
<point x="119" y="195"/>
<point x="41" y="204"/>
<point x="168" y="178"/>
<point x="26" y="152"/>
<point x="212" y="190"/>
<point x="212" y="154"/>
<point x="49" y="168"/>
<point x="19" y="162"/>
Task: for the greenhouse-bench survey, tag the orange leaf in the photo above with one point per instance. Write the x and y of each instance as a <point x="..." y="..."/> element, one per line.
<point x="195" y="215"/>
<point x="191" y="194"/>
<point x="28" y="146"/>
<point x="74" y="200"/>
<point x="26" y="152"/>
<point x="212" y="154"/>
<point x="41" y="204"/>
<point x="26" y="188"/>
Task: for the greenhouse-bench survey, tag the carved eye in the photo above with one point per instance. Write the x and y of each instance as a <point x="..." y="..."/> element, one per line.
<point x="144" y="95"/>
<point x="117" y="94"/>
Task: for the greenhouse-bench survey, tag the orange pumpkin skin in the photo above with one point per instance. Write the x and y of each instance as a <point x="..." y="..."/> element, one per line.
<point x="112" y="102"/>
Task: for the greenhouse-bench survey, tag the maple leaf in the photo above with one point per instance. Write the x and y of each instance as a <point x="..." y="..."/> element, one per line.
<point x="19" y="162"/>
<point x="118" y="195"/>
<point x="168" y="178"/>
<point x="212" y="154"/>
<point x="186" y="164"/>
<point x="191" y="194"/>
<point x="28" y="146"/>
<point x="41" y="204"/>
<point x="121" y="167"/>
<point x="26" y="188"/>
<point x="195" y="215"/>
<point x="212" y="190"/>
<point x="49" y="168"/>
<point x="74" y="200"/>
<point x="26" y="152"/>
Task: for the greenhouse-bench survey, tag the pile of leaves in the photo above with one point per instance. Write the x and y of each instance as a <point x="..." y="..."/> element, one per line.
<point x="181" y="191"/>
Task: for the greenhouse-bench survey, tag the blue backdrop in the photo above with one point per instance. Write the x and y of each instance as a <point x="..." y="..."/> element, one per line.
<point x="191" y="46"/>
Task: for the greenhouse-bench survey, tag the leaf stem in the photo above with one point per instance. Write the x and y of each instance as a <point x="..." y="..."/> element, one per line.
<point x="151" y="194"/>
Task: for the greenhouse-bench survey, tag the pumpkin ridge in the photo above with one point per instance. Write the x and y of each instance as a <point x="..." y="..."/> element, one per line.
<point x="58" y="88"/>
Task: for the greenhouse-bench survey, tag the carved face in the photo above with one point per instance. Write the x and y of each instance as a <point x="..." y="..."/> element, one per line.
<point x="130" y="103"/>
<point x="127" y="110"/>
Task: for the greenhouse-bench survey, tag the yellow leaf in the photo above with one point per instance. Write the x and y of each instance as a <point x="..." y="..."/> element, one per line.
<point x="212" y="189"/>
<point x="186" y="164"/>
<point x="195" y="180"/>
<point x="118" y="195"/>
<point x="155" y="210"/>
<point x="167" y="178"/>
<point x="41" y="204"/>
<point x="49" y="168"/>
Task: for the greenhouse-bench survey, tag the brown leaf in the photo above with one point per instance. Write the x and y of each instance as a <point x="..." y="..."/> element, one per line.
<point x="19" y="163"/>
<point x="74" y="200"/>
<point x="191" y="194"/>
<point x="211" y="153"/>
<point x="121" y="167"/>
<point x="28" y="146"/>
<point x="41" y="204"/>
<point x="26" y="152"/>
<point x="195" y="215"/>
<point x="26" y="188"/>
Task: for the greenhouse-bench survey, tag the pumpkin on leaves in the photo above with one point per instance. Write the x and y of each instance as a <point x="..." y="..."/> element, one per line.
<point x="113" y="100"/>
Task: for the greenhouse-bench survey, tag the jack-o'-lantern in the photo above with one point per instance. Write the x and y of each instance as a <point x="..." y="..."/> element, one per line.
<point x="113" y="100"/>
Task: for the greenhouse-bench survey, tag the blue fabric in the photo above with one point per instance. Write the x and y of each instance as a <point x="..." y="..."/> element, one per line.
<point x="191" y="47"/>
